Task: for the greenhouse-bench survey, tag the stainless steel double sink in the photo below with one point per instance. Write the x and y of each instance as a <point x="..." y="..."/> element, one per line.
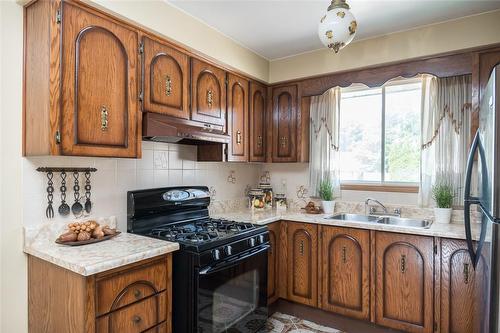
<point x="389" y="220"/>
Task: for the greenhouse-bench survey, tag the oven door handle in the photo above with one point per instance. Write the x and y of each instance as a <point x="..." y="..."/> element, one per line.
<point x="233" y="262"/>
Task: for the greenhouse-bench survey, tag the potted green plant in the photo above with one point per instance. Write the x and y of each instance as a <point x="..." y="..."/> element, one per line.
<point x="443" y="195"/>
<point x="326" y="195"/>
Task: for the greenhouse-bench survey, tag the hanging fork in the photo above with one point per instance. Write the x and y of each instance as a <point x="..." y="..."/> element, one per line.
<point x="49" y="212"/>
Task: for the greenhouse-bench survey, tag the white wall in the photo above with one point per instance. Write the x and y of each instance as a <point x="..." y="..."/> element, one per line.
<point x="13" y="273"/>
<point x="459" y="34"/>
<point x="161" y="165"/>
<point x="296" y="175"/>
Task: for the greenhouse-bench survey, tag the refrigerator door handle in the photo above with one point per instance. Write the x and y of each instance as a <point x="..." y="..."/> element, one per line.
<point x="468" y="200"/>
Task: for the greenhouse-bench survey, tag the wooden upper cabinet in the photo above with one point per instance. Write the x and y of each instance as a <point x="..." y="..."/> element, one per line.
<point x="237" y="116"/>
<point x="166" y="79"/>
<point x="257" y="122"/>
<point x="81" y="82"/>
<point x="99" y="85"/>
<point x="345" y="271"/>
<point x="462" y="289"/>
<point x="302" y="269"/>
<point x="404" y="282"/>
<point x="208" y="93"/>
<point x="284" y="120"/>
<point x="273" y="262"/>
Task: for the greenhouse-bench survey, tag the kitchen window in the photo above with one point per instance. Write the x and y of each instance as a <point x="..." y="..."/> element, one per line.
<point x="380" y="128"/>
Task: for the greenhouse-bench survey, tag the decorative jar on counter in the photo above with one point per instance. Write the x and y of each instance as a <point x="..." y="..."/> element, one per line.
<point x="280" y="202"/>
<point x="256" y="198"/>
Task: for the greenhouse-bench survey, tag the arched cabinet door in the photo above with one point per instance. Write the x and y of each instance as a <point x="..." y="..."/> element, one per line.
<point x="166" y="79"/>
<point x="208" y="93"/>
<point x="257" y="122"/>
<point x="284" y="119"/>
<point x="237" y="116"/>
<point x="462" y="289"/>
<point x="345" y="271"/>
<point x="100" y="115"/>
<point x="404" y="282"/>
<point x="273" y="262"/>
<point x="302" y="270"/>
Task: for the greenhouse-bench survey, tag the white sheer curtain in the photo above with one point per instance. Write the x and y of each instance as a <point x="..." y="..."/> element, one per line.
<point x="446" y="108"/>
<point x="324" y="140"/>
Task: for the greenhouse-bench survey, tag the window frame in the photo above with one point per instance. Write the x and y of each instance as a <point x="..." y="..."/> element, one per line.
<point x="382" y="185"/>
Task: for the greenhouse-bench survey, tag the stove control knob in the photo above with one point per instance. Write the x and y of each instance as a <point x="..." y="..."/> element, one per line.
<point x="262" y="239"/>
<point x="251" y="242"/>
<point x="228" y="249"/>
<point x="216" y="254"/>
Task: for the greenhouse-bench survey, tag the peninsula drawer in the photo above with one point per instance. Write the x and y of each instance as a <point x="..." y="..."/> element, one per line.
<point x="136" y="317"/>
<point x="119" y="288"/>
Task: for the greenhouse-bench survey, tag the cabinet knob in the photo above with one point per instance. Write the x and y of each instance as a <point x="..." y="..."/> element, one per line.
<point x="238" y="137"/>
<point x="283" y="141"/>
<point x="210" y="98"/>
<point x="168" y="85"/>
<point x="137" y="294"/>
<point x="403" y="263"/>
<point x="136" y="319"/>
<point x="104" y="118"/>
<point x="466" y="273"/>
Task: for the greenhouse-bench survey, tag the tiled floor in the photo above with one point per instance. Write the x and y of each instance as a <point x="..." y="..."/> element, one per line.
<point x="283" y="323"/>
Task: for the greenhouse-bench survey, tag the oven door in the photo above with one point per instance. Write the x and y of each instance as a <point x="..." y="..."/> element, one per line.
<point x="233" y="294"/>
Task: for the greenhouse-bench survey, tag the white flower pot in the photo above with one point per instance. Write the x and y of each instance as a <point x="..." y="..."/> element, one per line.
<point x="328" y="206"/>
<point x="442" y="215"/>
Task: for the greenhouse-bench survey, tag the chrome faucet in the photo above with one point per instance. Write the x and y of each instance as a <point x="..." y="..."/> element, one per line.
<point x="373" y="211"/>
<point x="370" y="210"/>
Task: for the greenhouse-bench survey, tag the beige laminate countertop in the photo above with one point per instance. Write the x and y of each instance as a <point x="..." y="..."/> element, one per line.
<point x="124" y="249"/>
<point x="452" y="230"/>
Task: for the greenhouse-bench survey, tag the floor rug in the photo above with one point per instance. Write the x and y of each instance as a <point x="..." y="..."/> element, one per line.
<point x="283" y="323"/>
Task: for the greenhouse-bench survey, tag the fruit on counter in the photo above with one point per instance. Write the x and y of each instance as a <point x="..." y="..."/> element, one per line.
<point x="83" y="231"/>
<point x="83" y="236"/>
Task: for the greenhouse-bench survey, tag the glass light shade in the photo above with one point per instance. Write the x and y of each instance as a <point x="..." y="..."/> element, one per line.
<point x="338" y="27"/>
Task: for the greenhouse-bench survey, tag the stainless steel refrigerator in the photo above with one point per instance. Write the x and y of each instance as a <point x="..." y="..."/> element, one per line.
<point x="485" y="197"/>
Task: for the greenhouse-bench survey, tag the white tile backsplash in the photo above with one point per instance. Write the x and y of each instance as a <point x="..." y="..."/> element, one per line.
<point x="161" y="165"/>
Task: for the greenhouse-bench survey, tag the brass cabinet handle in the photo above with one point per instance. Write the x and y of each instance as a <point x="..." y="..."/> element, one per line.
<point x="466" y="273"/>
<point x="301" y="248"/>
<point x="137" y="294"/>
<point x="210" y="98"/>
<point x="136" y="319"/>
<point x="104" y="118"/>
<point x="283" y="141"/>
<point x="238" y="137"/>
<point x="168" y="85"/>
<point x="344" y="254"/>
<point x="403" y="263"/>
<point x="259" y="141"/>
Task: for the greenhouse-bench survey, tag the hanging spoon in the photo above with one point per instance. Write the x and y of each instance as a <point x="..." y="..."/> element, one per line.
<point x="76" y="208"/>
<point x="64" y="207"/>
<point x="88" y="203"/>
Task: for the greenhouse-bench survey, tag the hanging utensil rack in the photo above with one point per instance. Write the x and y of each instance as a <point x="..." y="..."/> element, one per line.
<point x="58" y="169"/>
<point x="77" y="207"/>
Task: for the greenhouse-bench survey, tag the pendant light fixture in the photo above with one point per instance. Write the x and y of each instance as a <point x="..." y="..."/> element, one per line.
<point x="338" y="27"/>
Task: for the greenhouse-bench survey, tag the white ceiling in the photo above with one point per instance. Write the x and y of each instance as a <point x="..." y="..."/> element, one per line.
<point x="280" y="28"/>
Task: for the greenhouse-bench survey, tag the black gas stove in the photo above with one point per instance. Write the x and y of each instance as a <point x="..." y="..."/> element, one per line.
<point x="220" y="271"/>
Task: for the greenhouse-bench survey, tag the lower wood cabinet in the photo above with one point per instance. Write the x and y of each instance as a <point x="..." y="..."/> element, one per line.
<point x="404" y="282"/>
<point x="302" y="269"/>
<point x="345" y="271"/>
<point x="131" y="299"/>
<point x="461" y="289"/>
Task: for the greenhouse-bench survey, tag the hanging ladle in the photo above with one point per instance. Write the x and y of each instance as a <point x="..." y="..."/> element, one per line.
<point x="64" y="207"/>
<point x="76" y="208"/>
<point x="88" y="203"/>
